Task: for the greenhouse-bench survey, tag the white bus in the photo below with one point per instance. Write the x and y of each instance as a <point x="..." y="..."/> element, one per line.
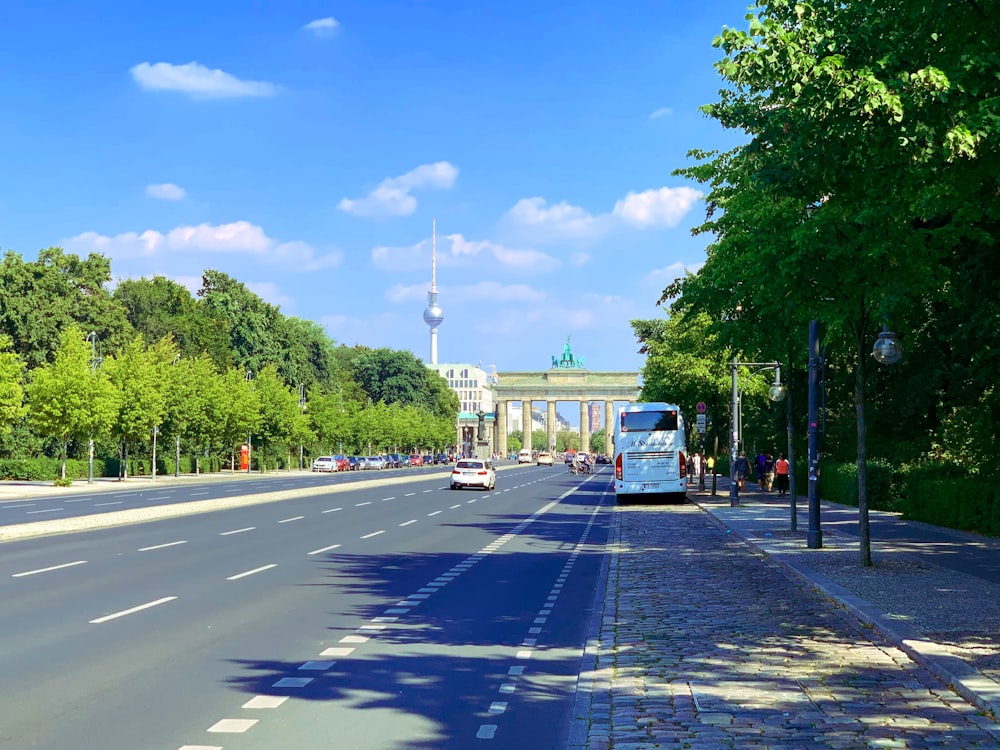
<point x="649" y="452"/>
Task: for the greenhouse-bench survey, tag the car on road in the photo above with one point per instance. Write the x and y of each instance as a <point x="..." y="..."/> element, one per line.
<point x="325" y="463"/>
<point x="473" y="472"/>
<point x="602" y="459"/>
<point x="524" y="457"/>
<point x="544" y="458"/>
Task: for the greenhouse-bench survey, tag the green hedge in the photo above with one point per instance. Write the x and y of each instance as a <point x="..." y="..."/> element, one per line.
<point x="43" y="468"/>
<point x="944" y="495"/>
<point x="838" y="483"/>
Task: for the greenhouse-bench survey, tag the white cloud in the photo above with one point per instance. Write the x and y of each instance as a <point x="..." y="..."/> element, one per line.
<point x="323" y="26"/>
<point x="534" y="219"/>
<point x="454" y="251"/>
<point x="239" y="237"/>
<point x="167" y="191"/>
<point x="391" y="197"/>
<point x="270" y="293"/>
<point x="198" y="81"/>
<point x="661" y="112"/>
<point x="663" y="207"/>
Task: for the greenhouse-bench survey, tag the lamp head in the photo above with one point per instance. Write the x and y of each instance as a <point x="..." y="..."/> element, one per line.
<point x="887" y="350"/>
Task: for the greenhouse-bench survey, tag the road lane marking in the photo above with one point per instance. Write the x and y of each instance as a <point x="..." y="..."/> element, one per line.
<point x="324" y="549"/>
<point x="374" y="533"/>
<point x="486" y="732"/>
<point x="407" y="523"/>
<point x="456" y="506"/>
<point x="337" y="651"/>
<point x="47" y="510"/>
<point x="409" y="494"/>
<point x="498" y="707"/>
<point x="98" y="505"/>
<point x="26" y="505"/>
<point x="132" y="610"/>
<point x="203" y="492"/>
<point x="359" y="505"/>
<point x="160" y="546"/>
<point x="332" y="510"/>
<point x="293" y="682"/>
<point x="265" y="701"/>
<point x="79" y="500"/>
<point x="426" y="491"/>
<point x="232" y="726"/>
<point x="237" y="531"/>
<point x="434" y="513"/>
<point x="289" y="520"/>
<point x="354" y="639"/>
<point x="316" y="666"/>
<point x="387" y="499"/>
<point x="46" y="570"/>
<point x="252" y="572"/>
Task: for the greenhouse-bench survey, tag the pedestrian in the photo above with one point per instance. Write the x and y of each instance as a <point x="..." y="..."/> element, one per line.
<point x="769" y="472"/>
<point x="758" y="466"/>
<point x="710" y="464"/>
<point x="742" y="469"/>
<point x="781" y="473"/>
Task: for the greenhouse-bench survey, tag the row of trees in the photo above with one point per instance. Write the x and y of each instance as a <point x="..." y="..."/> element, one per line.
<point x="868" y="194"/>
<point x="206" y="373"/>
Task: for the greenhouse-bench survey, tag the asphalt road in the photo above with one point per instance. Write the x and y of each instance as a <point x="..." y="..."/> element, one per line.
<point x="404" y="616"/>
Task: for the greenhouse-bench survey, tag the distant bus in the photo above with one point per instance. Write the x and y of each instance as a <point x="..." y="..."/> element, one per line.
<point x="649" y="452"/>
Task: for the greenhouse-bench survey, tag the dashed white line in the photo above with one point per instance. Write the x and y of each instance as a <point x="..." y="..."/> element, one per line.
<point x="25" y="505"/>
<point x="132" y="610"/>
<point x="98" y="505"/>
<point x="265" y="701"/>
<point x="486" y="732"/>
<point x="251" y="572"/>
<point x="407" y="523"/>
<point x="498" y="707"/>
<point x="237" y="531"/>
<point x="409" y="494"/>
<point x="46" y="570"/>
<point x="359" y="505"/>
<point x="434" y="513"/>
<point x="456" y="506"/>
<point x="324" y="549"/>
<point x="160" y="546"/>
<point x="294" y="518"/>
<point x="232" y="726"/>
<point x="387" y="499"/>
<point x="332" y="510"/>
<point x="47" y="510"/>
<point x="374" y="533"/>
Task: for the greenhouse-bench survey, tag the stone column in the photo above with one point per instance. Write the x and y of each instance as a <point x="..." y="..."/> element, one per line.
<point x="550" y="424"/>
<point x="501" y="428"/>
<point x="584" y="420"/>
<point x="609" y="427"/>
<point x="526" y="423"/>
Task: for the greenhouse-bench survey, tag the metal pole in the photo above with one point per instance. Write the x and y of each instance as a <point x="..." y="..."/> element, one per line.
<point x="734" y="492"/>
<point x="155" y="431"/>
<point x="177" y="463"/>
<point x="789" y="427"/>
<point x="814" y="536"/>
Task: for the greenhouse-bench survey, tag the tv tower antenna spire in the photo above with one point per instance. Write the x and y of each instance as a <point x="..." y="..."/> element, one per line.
<point x="433" y="315"/>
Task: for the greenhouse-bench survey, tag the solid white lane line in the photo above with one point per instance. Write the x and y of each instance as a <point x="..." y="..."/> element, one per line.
<point x="434" y="513"/>
<point x="407" y="523"/>
<point x="324" y="549"/>
<point x="132" y="610"/>
<point x="289" y="520"/>
<point x="374" y="533"/>
<point x="359" y="505"/>
<point x="332" y="510"/>
<point x="160" y="546"/>
<point x="237" y="531"/>
<point x="47" y="510"/>
<point x="98" y="505"/>
<point x="46" y="570"/>
<point x="251" y="572"/>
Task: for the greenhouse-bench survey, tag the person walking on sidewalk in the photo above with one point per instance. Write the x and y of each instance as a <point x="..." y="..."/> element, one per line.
<point x="758" y="466"/>
<point x="742" y="468"/>
<point x="769" y="473"/>
<point x="781" y="474"/>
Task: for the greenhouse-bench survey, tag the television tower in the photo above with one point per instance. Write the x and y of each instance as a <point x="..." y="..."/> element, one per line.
<point x="433" y="316"/>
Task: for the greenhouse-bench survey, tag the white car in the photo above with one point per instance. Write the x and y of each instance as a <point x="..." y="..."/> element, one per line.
<point x="525" y="457"/>
<point x="473" y="472"/>
<point x="325" y="463"/>
<point x="544" y="458"/>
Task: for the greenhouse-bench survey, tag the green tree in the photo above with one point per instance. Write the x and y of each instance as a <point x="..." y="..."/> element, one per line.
<point x="69" y="399"/>
<point x="252" y="323"/>
<point x="282" y="421"/>
<point x="12" y="407"/>
<point x="238" y="411"/>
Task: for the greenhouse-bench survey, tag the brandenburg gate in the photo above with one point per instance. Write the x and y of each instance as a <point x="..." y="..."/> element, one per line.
<point x="566" y="380"/>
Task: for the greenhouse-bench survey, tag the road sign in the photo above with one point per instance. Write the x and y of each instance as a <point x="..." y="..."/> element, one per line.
<point x="702" y="407"/>
<point x="702" y="422"/>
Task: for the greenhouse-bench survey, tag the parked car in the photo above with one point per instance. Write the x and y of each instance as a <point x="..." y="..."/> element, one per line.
<point x="399" y="461"/>
<point x="428" y="459"/>
<point x="602" y="459"/>
<point x="416" y="460"/>
<point x="473" y="472"/>
<point x="355" y="462"/>
<point x="372" y="462"/>
<point x="442" y="458"/>
<point x="544" y="458"/>
<point x="324" y="463"/>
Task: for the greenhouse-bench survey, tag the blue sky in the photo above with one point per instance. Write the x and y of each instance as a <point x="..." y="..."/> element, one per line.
<point x="305" y="147"/>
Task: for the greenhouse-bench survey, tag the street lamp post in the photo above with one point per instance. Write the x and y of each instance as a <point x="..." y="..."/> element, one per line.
<point x="302" y="409"/>
<point x="776" y="393"/>
<point x="814" y="534"/>
<point x="94" y="362"/>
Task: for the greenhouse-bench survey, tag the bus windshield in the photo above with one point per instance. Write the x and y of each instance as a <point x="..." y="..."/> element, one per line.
<point x="649" y="421"/>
